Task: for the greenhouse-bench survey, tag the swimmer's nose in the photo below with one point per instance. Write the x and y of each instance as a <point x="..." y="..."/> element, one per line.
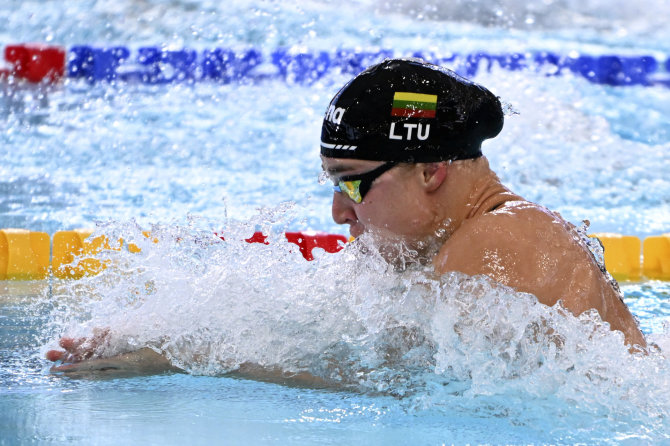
<point x="343" y="210"/>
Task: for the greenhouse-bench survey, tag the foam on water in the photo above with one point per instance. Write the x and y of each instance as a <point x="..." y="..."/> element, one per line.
<point x="441" y="344"/>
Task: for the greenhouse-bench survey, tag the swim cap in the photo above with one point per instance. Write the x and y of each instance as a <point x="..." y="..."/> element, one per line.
<point x="408" y="110"/>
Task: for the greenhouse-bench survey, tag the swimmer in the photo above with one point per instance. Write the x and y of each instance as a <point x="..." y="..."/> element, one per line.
<point x="402" y="144"/>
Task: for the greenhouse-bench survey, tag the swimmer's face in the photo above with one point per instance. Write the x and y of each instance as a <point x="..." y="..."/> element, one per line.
<point x="395" y="205"/>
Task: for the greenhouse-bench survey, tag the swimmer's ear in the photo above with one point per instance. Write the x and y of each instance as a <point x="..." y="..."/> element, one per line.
<point x="434" y="175"/>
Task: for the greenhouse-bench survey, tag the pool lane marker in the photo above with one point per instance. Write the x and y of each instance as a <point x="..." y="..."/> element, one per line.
<point x="30" y="255"/>
<point x="40" y="63"/>
<point x="24" y="255"/>
<point x="35" y="62"/>
<point x="656" y="257"/>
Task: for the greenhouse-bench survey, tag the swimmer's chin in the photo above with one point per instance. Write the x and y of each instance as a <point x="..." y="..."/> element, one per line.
<point x="356" y="231"/>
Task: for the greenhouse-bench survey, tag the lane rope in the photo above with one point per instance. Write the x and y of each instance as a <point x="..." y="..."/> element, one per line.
<point x="31" y="255"/>
<point x="154" y="65"/>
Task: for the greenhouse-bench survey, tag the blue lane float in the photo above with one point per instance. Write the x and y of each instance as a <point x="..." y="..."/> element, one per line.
<point x="156" y="65"/>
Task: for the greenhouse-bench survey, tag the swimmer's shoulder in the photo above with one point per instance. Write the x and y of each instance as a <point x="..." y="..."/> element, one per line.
<point x="532" y="249"/>
<point x="512" y="219"/>
<point x="520" y="208"/>
<point x="511" y="240"/>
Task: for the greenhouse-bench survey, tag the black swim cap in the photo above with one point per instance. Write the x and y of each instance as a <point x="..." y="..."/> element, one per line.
<point x="408" y="110"/>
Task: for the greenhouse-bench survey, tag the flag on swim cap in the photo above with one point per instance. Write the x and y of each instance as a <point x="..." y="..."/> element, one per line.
<point x="408" y="110"/>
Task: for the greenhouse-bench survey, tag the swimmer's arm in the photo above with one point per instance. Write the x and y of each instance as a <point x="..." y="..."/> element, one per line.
<point x="278" y="376"/>
<point x="146" y="361"/>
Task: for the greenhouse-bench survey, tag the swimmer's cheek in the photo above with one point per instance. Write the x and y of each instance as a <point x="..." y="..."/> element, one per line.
<point x="141" y="362"/>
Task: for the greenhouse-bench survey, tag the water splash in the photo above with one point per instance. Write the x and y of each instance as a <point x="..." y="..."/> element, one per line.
<point x="457" y="342"/>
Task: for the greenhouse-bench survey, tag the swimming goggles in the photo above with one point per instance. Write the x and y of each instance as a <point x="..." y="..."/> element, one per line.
<point x="356" y="186"/>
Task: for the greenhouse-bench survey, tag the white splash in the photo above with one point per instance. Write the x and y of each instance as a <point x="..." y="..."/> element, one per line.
<point x="456" y="342"/>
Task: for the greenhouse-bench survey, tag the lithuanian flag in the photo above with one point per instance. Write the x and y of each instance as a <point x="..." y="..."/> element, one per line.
<point x="414" y="105"/>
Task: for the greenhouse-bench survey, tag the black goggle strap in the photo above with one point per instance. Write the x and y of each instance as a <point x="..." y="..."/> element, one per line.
<point x="368" y="178"/>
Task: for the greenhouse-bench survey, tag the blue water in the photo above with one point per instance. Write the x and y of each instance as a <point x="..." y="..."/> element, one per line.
<point x="187" y="159"/>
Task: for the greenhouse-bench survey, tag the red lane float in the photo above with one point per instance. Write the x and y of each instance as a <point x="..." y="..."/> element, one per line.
<point x="331" y="243"/>
<point x="35" y="62"/>
<point x="306" y="241"/>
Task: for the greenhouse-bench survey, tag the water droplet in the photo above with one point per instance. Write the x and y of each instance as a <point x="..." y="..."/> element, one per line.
<point x="508" y="109"/>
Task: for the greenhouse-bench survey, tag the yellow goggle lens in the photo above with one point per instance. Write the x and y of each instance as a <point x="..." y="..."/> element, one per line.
<point x="351" y="189"/>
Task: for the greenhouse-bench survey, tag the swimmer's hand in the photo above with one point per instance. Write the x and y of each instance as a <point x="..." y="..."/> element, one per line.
<point x="77" y="358"/>
<point x="79" y="361"/>
<point x="144" y="361"/>
<point x="80" y="349"/>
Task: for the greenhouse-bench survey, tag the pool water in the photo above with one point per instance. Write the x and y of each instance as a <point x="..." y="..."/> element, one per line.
<point x="419" y="360"/>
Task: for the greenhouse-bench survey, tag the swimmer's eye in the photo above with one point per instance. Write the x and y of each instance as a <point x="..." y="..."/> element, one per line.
<point x="356" y="186"/>
<point x="351" y="189"/>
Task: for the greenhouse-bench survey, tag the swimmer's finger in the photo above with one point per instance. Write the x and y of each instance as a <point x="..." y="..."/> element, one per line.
<point x="55" y="355"/>
<point x="79" y="349"/>
<point x="64" y="368"/>
<point x="75" y="350"/>
<point x="72" y="368"/>
<point x="100" y="333"/>
<point x="71" y="344"/>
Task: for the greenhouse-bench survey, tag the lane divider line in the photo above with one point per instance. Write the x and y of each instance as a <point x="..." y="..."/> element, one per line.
<point x="154" y="65"/>
<point x="31" y="255"/>
<point x="77" y="244"/>
<point x="627" y="262"/>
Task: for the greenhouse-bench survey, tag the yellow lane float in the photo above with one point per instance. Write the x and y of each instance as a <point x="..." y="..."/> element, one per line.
<point x="77" y="243"/>
<point x="656" y="257"/>
<point x="24" y="255"/>
<point x="622" y="255"/>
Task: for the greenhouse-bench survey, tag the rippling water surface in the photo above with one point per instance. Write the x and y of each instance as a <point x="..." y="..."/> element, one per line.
<point x="418" y="359"/>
